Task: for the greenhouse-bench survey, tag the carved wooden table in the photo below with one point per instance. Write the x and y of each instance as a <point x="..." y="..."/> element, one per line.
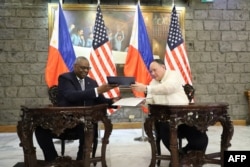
<point x="200" y="115"/>
<point x="58" y="119"/>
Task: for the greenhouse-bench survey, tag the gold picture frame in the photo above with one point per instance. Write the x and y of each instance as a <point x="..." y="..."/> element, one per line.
<point x="119" y="18"/>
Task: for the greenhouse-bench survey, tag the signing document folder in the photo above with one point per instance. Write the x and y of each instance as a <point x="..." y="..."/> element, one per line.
<point x="121" y="80"/>
<point x="129" y="101"/>
<point x="124" y="82"/>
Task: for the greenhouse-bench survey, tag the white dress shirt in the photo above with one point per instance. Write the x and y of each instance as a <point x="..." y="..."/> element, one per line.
<point x="168" y="91"/>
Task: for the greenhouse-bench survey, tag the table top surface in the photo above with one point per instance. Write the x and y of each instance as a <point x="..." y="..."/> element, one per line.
<point x="209" y="104"/>
<point x="158" y="109"/>
<point x="51" y="107"/>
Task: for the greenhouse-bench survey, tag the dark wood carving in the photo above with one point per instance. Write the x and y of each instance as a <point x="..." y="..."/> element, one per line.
<point x="201" y="116"/>
<point x="58" y="119"/>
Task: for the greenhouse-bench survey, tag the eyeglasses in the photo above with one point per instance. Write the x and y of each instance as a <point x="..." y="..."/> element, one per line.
<point x="84" y="67"/>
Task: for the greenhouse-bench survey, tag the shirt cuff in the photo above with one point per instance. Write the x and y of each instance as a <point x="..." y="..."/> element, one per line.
<point x="96" y="93"/>
<point x="148" y="89"/>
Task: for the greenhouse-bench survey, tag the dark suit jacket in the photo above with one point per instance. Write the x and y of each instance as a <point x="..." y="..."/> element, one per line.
<point x="71" y="94"/>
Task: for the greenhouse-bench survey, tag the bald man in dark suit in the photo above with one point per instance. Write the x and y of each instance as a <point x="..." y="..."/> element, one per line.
<point x="71" y="92"/>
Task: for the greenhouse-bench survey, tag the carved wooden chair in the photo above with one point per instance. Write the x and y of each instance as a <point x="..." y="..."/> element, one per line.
<point x="189" y="90"/>
<point x="68" y="136"/>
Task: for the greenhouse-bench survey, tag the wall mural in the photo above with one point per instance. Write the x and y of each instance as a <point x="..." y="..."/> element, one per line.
<point x="119" y="21"/>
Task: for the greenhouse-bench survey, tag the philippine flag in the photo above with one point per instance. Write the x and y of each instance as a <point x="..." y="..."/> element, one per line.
<point x="61" y="55"/>
<point x="139" y="54"/>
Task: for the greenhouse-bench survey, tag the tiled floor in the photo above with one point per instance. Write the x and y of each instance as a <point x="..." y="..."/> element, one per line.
<point x="123" y="150"/>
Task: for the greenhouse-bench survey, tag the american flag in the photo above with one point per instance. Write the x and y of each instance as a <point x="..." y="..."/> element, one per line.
<point x="101" y="59"/>
<point x="176" y="56"/>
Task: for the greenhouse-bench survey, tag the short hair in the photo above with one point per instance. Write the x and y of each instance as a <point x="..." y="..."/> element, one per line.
<point x="159" y="61"/>
<point x="79" y="58"/>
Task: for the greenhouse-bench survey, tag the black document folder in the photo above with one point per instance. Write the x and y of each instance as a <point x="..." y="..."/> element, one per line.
<point x="121" y="80"/>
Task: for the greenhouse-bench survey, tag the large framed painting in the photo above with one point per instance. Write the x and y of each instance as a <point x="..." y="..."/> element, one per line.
<point x="119" y="21"/>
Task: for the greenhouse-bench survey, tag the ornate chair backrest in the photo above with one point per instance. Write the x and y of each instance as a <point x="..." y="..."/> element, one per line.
<point x="53" y="94"/>
<point x="189" y="90"/>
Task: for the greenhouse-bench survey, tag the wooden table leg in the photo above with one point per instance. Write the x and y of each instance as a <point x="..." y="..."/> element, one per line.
<point x="25" y="134"/>
<point x="107" y="132"/>
<point x="174" y="144"/>
<point x="88" y="142"/>
<point x="148" y="129"/>
<point x="247" y="93"/>
<point x="227" y="134"/>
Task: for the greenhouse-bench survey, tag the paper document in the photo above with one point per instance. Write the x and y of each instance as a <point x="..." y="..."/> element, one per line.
<point x="130" y="101"/>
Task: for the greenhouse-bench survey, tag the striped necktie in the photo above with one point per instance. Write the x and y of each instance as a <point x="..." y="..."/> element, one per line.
<point x="82" y="84"/>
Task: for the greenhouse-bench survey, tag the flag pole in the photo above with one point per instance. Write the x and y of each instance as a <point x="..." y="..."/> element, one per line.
<point x="99" y="129"/>
<point x="143" y="137"/>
